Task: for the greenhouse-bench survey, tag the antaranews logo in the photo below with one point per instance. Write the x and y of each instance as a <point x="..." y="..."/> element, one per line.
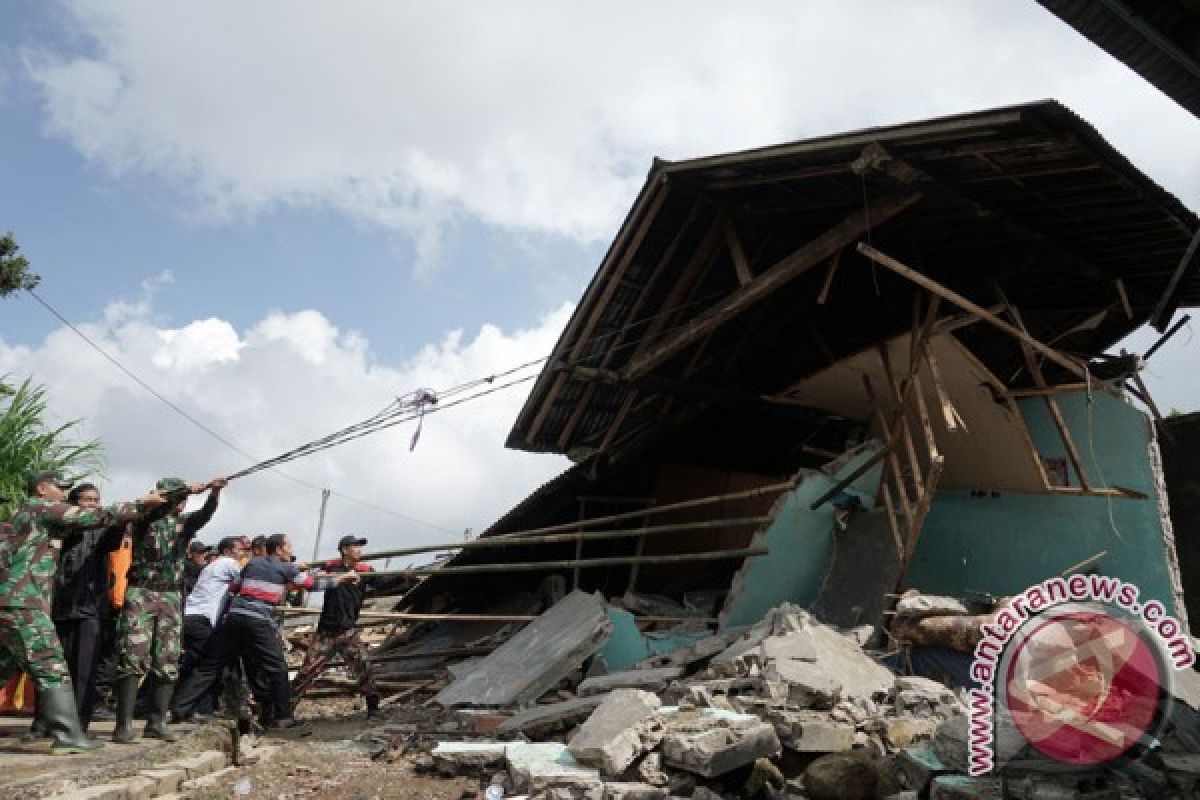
<point x="1079" y="665"/>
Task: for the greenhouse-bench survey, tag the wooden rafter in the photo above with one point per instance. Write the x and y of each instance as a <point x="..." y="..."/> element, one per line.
<point x="782" y="272"/>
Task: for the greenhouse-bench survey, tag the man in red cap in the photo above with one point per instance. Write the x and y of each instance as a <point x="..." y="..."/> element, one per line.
<point x="337" y="631"/>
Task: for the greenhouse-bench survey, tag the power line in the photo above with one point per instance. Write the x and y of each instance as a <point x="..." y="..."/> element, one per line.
<point x="218" y="437"/>
<point x="405" y="408"/>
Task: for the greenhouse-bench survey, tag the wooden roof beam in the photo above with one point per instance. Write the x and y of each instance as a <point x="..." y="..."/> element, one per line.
<point x="876" y="158"/>
<point x="788" y="268"/>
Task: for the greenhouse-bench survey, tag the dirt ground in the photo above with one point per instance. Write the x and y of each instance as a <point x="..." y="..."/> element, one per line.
<point x="342" y="757"/>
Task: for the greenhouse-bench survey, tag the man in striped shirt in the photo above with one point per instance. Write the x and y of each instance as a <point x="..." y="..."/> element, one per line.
<point x="250" y="631"/>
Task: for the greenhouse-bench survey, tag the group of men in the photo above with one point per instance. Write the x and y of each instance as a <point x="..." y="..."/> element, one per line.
<point x="177" y="622"/>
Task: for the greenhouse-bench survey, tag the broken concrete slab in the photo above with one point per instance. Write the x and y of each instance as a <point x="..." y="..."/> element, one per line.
<point x="622" y="728"/>
<point x="456" y="758"/>
<point x="551" y="717"/>
<point x="913" y="604"/>
<point x="797" y="646"/>
<point x="804" y="684"/>
<point x="710" y="745"/>
<point x="633" y="791"/>
<point x="651" y="680"/>
<point x="563" y="638"/>
<point x="535" y="767"/>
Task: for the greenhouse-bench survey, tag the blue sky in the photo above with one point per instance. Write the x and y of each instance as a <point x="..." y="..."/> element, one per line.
<point x="94" y="238"/>
<point x="281" y="215"/>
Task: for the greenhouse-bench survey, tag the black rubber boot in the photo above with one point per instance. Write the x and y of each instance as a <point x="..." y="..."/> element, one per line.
<point x="126" y="690"/>
<point x="61" y="715"/>
<point x="156" y="720"/>
<point x="373" y="713"/>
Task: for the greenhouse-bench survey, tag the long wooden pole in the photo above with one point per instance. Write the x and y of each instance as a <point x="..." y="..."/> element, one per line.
<point x="938" y="289"/>
<point x="533" y="566"/>
<point x="402" y="616"/>
<point x="696" y="502"/>
<point x="498" y="541"/>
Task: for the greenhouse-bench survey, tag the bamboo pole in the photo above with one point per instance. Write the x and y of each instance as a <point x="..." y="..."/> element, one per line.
<point x="575" y="536"/>
<point x="402" y="616"/>
<point x="774" y="488"/>
<point x="533" y="566"/>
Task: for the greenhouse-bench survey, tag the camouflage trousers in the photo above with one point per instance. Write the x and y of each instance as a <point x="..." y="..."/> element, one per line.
<point x="150" y="634"/>
<point x="324" y="647"/>
<point x="29" y="643"/>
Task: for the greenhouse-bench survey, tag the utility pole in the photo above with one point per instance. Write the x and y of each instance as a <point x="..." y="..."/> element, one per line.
<point x="320" y="524"/>
<point x="320" y="529"/>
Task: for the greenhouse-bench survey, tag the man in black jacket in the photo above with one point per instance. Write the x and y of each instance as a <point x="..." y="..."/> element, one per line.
<point x="337" y="631"/>
<point x="81" y="611"/>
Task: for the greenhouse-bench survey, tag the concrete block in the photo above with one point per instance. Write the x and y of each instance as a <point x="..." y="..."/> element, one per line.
<point x="962" y="787"/>
<point x="106" y="791"/>
<point x="650" y="680"/>
<point x="622" y="728"/>
<point x="551" y="717"/>
<point x="536" y="766"/>
<point x="633" y="791"/>
<point x="904" y="731"/>
<point x="650" y="770"/>
<point x="166" y="779"/>
<point x="563" y="638"/>
<point x="141" y="788"/>
<point x="471" y="758"/>
<point x="821" y="736"/>
<point x="720" y="747"/>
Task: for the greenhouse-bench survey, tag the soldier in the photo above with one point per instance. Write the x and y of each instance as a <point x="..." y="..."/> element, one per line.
<point x="28" y="640"/>
<point x="150" y="628"/>
<point x="337" y="633"/>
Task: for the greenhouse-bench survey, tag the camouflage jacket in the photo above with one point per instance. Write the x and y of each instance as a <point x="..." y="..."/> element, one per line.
<point x="160" y="547"/>
<point x="29" y="556"/>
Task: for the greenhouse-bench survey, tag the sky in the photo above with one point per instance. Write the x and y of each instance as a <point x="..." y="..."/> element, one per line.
<point x="282" y="216"/>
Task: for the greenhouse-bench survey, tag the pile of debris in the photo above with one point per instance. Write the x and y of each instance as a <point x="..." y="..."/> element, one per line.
<point x="734" y="714"/>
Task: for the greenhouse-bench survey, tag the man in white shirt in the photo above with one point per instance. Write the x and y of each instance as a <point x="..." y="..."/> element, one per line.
<point x="204" y="606"/>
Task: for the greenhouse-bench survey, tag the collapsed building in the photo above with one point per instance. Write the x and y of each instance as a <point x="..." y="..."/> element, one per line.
<point x="810" y="384"/>
<point x="924" y="308"/>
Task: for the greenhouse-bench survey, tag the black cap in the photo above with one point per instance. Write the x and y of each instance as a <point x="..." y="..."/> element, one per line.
<point x="347" y="541"/>
<point x="197" y="547"/>
<point x="38" y="477"/>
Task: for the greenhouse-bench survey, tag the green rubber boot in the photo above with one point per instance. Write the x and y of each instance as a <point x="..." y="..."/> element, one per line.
<point x="126" y="690"/>
<point x="156" y="720"/>
<point x="62" y="716"/>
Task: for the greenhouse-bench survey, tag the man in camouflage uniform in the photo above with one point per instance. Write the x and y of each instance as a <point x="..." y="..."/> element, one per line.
<point x="28" y="559"/>
<point x="150" y="627"/>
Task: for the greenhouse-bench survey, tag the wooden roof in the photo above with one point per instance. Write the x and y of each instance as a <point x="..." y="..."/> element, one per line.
<point x="735" y="275"/>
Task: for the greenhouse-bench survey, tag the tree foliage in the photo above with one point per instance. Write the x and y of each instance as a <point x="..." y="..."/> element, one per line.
<point x="14" y="268"/>
<point x="28" y="443"/>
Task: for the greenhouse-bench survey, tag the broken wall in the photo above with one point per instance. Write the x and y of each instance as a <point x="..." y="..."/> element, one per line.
<point x="1003" y="544"/>
<point x="800" y="540"/>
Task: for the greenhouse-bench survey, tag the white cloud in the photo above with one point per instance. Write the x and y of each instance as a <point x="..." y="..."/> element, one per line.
<point x="543" y="116"/>
<point x="290" y="378"/>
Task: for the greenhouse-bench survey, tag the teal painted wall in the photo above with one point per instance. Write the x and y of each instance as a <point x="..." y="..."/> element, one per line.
<point x="1002" y="545"/>
<point x="627" y="645"/>
<point x="799" y="541"/>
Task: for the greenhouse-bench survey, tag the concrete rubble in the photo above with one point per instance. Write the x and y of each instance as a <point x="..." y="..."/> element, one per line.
<point x="788" y="709"/>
